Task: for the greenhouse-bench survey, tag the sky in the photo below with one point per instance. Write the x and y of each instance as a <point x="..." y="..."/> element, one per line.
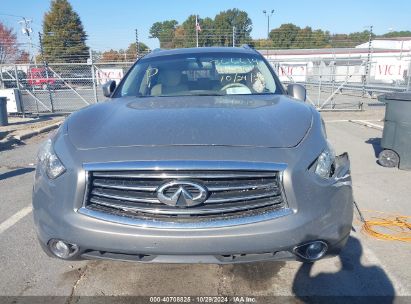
<point x="111" y="24"/>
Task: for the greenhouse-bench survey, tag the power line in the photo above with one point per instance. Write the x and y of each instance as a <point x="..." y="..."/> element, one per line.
<point x="10" y="15"/>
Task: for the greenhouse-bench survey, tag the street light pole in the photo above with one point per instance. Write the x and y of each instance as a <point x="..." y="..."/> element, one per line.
<point x="268" y="15"/>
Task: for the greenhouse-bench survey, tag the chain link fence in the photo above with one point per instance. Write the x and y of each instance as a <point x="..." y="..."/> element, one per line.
<point x="333" y="83"/>
<point x="60" y="87"/>
<point x="346" y="82"/>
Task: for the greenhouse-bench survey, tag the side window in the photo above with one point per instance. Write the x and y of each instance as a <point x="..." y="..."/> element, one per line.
<point x="130" y="84"/>
<point x="268" y="79"/>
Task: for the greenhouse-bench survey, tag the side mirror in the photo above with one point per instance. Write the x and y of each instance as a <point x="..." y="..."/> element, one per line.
<point x="297" y="91"/>
<point x="108" y="88"/>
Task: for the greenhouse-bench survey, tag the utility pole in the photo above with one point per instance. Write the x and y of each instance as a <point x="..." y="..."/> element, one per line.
<point x="27" y="30"/>
<point x="409" y="74"/>
<point x="137" y="45"/>
<point x="268" y="15"/>
<point x="197" y="25"/>
<point x="46" y="68"/>
<point x="367" y="66"/>
<point x="233" y="36"/>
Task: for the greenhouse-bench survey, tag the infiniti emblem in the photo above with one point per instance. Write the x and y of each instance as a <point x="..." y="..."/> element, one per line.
<point x="182" y="194"/>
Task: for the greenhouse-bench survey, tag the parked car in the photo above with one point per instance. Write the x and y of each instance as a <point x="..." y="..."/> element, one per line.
<point x="78" y="77"/>
<point x="200" y="156"/>
<point x="42" y="78"/>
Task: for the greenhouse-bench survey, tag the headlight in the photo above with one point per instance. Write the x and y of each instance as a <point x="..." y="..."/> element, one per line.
<point x="326" y="163"/>
<point x="48" y="160"/>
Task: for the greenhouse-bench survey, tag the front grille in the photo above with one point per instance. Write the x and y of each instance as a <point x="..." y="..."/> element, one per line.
<point x="230" y="193"/>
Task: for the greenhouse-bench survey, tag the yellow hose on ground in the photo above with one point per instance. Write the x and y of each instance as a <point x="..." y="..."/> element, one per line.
<point x="391" y="227"/>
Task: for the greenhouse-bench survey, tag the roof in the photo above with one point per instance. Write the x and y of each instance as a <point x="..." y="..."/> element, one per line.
<point x="393" y="38"/>
<point x="201" y="50"/>
<point x="324" y="51"/>
<point x="393" y="44"/>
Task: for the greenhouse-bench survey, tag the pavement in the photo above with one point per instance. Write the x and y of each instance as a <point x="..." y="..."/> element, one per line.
<point x="367" y="267"/>
<point x="21" y="128"/>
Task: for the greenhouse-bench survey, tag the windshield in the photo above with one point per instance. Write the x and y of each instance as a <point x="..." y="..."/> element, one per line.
<point x="200" y="74"/>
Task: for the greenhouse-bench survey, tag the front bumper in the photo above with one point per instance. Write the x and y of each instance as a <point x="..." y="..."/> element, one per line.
<point x="326" y="215"/>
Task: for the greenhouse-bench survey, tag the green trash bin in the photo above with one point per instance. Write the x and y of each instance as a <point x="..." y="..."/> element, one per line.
<point x="3" y="112"/>
<point x="396" y="138"/>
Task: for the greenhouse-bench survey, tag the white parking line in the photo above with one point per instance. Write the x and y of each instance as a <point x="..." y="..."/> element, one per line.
<point x="367" y="123"/>
<point x="351" y="120"/>
<point x="14" y="218"/>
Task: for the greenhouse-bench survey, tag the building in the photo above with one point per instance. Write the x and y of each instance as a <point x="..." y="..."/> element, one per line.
<point x="397" y="43"/>
<point x="386" y="62"/>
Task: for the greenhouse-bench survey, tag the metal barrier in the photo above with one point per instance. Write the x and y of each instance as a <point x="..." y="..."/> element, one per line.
<point x="345" y="83"/>
<point x="64" y="88"/>
<point x="333" y="83"/>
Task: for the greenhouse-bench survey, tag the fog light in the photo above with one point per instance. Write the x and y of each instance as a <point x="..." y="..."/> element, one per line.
<point x="311" y="251"/>
<point x="62" y="249"/>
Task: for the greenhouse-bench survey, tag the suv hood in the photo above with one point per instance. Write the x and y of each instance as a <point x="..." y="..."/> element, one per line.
<point x="257" y="121"/>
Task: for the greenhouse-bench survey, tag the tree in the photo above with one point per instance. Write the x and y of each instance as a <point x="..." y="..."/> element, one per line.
<point x="164" y="32"/>
<point x="290" y="36"/>
<point x="111" y="56"/>
<point x="130" y="54"/>
<point x="285" y="36"/>
<point x="64" y="38"/>
<point x="262" y="43"/>
<point x="360" y="37"/>
<point x="339" y="41"/>
<point x="185" y="34"/>
<point x="179" y="40"/>
<point x="320" y="39"/>
<point x="303" y="39"/>
<point x="24" y="57"/>
<point x="207" y="35"/>
<point x="397" y="34"/>
<point x="219" y="32"/>
<point x="189" y="30"/>
<point x="213" y="32"/>
<point x="9" y="51"/>
<point x="132" y="50"/>
<point x="224" y="23"/>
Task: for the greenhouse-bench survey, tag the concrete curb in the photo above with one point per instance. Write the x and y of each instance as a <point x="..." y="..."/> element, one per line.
<point x="31" y="133"/>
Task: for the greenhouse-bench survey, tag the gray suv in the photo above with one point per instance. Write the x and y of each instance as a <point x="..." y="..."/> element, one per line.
<point x="199" y="156"/>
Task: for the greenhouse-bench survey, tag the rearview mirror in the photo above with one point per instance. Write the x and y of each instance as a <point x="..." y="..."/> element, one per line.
<point x="108" y="88"/>
<point x="297" y="91"/>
